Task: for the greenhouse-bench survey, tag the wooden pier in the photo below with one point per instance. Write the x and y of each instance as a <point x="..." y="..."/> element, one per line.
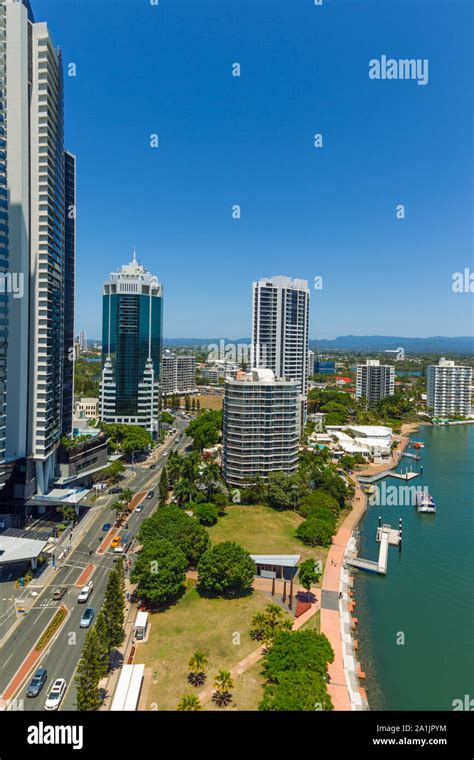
<point x="364" y="479"/>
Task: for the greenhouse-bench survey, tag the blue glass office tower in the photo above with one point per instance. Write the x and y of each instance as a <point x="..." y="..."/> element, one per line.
<point x="131" y="347"/>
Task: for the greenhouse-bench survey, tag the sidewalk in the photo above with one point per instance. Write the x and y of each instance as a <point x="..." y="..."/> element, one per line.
<point x="121" y="655"/>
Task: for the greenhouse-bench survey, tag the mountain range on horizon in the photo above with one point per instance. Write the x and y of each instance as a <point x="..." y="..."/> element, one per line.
<point x="433" y="344"/>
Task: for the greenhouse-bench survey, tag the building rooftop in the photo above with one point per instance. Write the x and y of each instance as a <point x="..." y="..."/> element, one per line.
<point x="15" y="549"/>
<point x="371" y="431"/>
<point x="281" y="560"/>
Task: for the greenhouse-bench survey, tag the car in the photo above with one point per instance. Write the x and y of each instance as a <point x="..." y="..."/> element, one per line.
<point x="115" y="490"/>
<point x="165" y="453"/>
<point x="59" y="592"/>
<point x="152" y="467"/>
<point x="86" y="619"/>
<point x="116" y="541"/>
<point x="139" y="508"/>
<point x="106" y="527"/>
<point x="85" y="592"/>
<point x="119" y="550"/>
<point x="150" y="494"/>
<point x="37" y="682"/>
<point x="56" y="694"/>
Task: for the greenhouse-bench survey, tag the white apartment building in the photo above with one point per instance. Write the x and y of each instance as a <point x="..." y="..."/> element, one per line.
<point x="178" y="374"/>
<point x="449" y="389"/>
<point x="261" y="426"/>
<point x="280" y="330"/>
<point x="31" y="120"/>
<point x="374" y="381"/>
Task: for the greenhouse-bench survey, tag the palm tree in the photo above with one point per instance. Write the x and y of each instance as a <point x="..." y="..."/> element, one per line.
<point x="223" y="683"/>
<point x="126" y="496"/>
<point x="184" y="490"/>
<point x="196" y="665"/>
<point x="189" y="702"/>
<point x="210" y="476"/>
<point x="174" y="465"/>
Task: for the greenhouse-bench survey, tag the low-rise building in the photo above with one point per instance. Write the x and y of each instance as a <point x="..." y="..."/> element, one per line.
<point x="86" y="407"/>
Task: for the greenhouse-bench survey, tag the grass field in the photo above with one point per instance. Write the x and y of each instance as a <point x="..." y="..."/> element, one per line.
<point x="262" y="530"/>
<point x="213" y="625"/>
<point x="209" y="402"/>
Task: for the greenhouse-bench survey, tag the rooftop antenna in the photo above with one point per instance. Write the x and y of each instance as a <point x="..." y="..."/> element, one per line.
<point x="134" y="260"/>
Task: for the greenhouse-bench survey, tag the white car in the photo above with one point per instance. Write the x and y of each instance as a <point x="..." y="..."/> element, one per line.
<point x="139" y="508"/>
<point x="56" y="694"/>
<point x="85" y="593"/>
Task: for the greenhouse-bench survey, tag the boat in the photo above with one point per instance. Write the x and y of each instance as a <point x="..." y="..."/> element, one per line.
<point x="417" y="445"/>
<point x="424" y="502"/>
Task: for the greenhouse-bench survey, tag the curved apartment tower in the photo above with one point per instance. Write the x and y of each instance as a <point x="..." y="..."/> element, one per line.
<point x="261" y="426"/>
<point x="131" y="347"/>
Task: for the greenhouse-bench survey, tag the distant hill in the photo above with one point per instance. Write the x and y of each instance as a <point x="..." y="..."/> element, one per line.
<point x="435" y="345"/>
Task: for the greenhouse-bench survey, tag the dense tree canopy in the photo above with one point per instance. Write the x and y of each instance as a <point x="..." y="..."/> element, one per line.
<point x="173" y="524"/>
<point x="227" y="569"/>
<point x="205" y="429"/>
<point x="160" y="572"/>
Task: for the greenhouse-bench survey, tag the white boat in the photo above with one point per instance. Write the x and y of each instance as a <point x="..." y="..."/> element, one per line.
<point x="424" y="502"/>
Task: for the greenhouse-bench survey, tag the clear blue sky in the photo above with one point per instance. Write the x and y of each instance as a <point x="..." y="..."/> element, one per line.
<point x="224" y="140"/>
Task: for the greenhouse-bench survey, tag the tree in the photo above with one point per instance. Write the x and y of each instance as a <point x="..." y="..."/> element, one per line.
<point x="206" y="513"/>
<point x="89" y="673"/>
<point x="223" y="683"/>
<point x="101" y="630"/>
<point x="265" y="625"/>
<point x="307" y="574"/>
<point x="197" y="664"/>
<point x="226" y="569"/>
<point x="160" y="572"/>
<point x="210" y="476"/>
<point x="126" y="496"/>
<point x="205" y="430"/>
<point x="193" y="404"/>
<point x="279" y="490"/>
<point x="297" y="650"/>
<point x="187" y="404"/>
<point x="314" y="532"/>
<point x="167" y="418"/>
<point x="189" y="702"/>
<point x="185" y="532"/>
<point x="185" y="490"/>
<point x="163" y="487"/>
<point x="198" y="405"/>
<point x="317" y="498"/>
<point x="175" y="463"/>
<point x="255" y="493"/>
<point x="68" y="512"/>
<point x="114" y="607"/>
<point x="297" y="690"/>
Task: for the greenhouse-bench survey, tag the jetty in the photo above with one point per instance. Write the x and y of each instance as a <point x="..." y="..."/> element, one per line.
<point x="364" y="479"/>
<point x="385" y="536"/>
<point x="411" y="456"/>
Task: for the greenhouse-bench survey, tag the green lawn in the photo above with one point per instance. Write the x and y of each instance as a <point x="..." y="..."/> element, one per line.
<point x="262" y="530"/>
<point x="213" y="625"/>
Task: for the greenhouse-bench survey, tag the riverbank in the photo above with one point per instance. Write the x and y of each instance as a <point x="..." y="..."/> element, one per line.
<point x="409" y="673"/>
<point x="337" y="603"/>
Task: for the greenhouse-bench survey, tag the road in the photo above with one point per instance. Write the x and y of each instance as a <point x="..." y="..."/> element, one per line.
<point x="62" y="656"/>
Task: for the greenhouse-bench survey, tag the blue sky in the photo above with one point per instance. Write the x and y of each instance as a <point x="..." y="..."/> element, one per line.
<point x="224" y="140"/>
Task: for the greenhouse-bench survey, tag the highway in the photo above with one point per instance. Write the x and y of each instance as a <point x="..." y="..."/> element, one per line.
<point x="62" y="655"/>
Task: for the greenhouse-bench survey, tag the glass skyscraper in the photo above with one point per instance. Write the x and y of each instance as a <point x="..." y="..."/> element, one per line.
<point x="132" y="322"/>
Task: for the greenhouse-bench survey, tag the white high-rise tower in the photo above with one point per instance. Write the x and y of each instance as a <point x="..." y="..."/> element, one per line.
<point x="280" y="330"/>
<point x="31" y="111"/>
